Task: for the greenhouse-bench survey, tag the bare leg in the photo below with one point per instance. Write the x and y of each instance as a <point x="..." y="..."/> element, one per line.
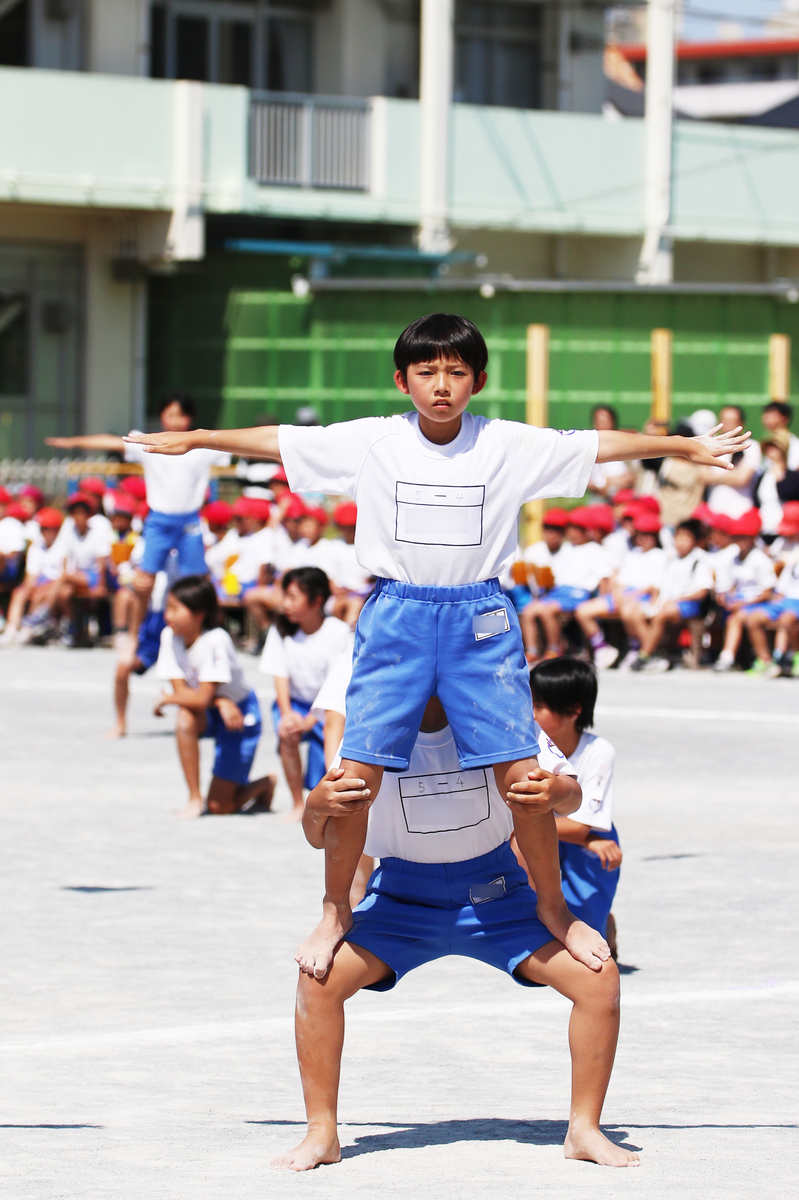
<point x="121" y="688"/>
<point x="292" y="767"/>
<point x="756" y="625"/>
<point x="143" y="584"/>
<point x="732" y="636"/>
<point x="586" y="614"/>
<point x="345" y="838"/>
<point x="527" y="620"/>
<point x="537" y="840"/>
<point x="362" y="874"/>
<point x="226" y="797"/>
<point x="593" y="1033"/>
<point x="634" y="621"/>
<point x="651" y="639"/>
<point x="189" y="727"/>
<point x="319" y="1032"/>
<point x="550" y="619"/>
<point x="16" y="608"/>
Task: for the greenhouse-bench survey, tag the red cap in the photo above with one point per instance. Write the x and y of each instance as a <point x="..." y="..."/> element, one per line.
<point x="31" y="493"/>
<point x="5" y="497"/>
<point x="135" y="486"/>
<point x="17" y="511"/>
<point x="250" y="506"/>
<point x="630" y="511"/>
<point x="123" y="504"/>
<point x="789" y="525"/>
<point x="295" y="508"/>
<point x="345" y="514"/>
<point x="49" y="518"/>
<point x="624" y="496"/>
<point x="648" y="504"/>
<point x="93" y="485"/>
<point x="747" y="525"/>
<point x="81" y="498"/>
<point x="556" y="518"/>
<point x="647" y="522"/>
<point x="279" y="476"/>
<point x="318" y="514"/>
<point x="581" y="517"/>
<point x="218" y="512"/>
<point x="602" y="517"/>
<point x="704" y="513"/>
<point x="720" y="521"/>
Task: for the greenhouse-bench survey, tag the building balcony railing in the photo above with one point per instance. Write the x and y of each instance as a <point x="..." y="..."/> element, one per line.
<point x="309" y="141"/>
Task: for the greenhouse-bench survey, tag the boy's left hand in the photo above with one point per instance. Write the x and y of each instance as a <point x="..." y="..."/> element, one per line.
<point x="539" y="791"/>
<point x="230" y="713"/>
<point x="158" y="710"/>
<point x="607" y="851"/>
<point x="707" y="449"/>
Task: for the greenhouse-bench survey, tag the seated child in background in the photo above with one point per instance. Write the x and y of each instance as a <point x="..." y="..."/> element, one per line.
<point x="687" y="583"/>
<point x="752" y="580"/>
<point x="44" y="566"/>
<point x="783" y="610"/>
<point x="580" y="570"/>
<point x="564" y="696"/>
<point x="639" y="578"/>
<point x="541" y="558"/>
<point x="86" y="551"/>
<point x="299" y="649"/>
<point x="350" y="584"/>
<point x="213" y="700"/>
<point x="448" y="883"/>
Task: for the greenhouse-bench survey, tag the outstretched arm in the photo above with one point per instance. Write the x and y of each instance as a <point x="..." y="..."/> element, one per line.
<point x="616" y="445"/>
<point x="94" y="441"/>
<point x="260" y="442"/>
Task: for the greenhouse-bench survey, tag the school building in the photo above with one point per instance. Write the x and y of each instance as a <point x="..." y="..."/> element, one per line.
<point x="249" y="199"/>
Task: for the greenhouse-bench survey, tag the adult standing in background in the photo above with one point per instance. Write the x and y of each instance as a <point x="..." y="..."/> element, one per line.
<point x="775" y="416"/>
<point x="732" y="492"/>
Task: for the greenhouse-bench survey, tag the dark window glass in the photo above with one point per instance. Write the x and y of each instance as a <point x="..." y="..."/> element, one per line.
<point x="498" y="53"/>
<point x="191" y="48"/>
<point x="158" y="41"/>
<point x="235" y="52"/>
<point x="289" y="55"/>
<point x="14" y="37"/>
<point x="13" y="338"/>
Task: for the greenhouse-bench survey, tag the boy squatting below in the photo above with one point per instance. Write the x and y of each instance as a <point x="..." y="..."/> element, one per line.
<point x="438" y="493"/>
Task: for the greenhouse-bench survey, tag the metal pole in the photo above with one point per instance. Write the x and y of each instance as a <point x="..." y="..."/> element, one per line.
<point x="435" y="94"/>
<point x="662" y="344"/>
<point x="655" y="263"/>
<point x="537" y="411"/>
<point x="779" y="367"/>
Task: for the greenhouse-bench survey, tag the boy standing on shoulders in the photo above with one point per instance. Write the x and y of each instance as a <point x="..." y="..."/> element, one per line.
<point x="438" y="493"/>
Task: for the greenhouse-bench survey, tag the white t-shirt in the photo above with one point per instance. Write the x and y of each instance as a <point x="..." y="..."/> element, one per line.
<point x="431" y="514"/>
<point x="305" y="658"/>
<point x="83" y="553"/>
<point x="435" y="812"/>
<point x="175" y="483"/>
<point x="593" y="761"/>
<point x="333" y="692"/>
<point x="254" y="550"/>
<point x="343" y="568"/>
<point x="211" y="659"/>
<point x="642" y="569"/>
<point x="12" y="536"/>
<point x="617" y="546"/>
<point x="788" y="581"/>
<point x="43" y="563"/>
<point x="218" y="555"/>
<point x="582" y="567"/>
<point x="721" y="562"/>
<point x="752" y="575"/>
<point x="603" y="474"/>
<point x="770" y="503"/>
<point x="735" y="501"/>
<point x="793" y="452"/>
<point x="687" y="576"/>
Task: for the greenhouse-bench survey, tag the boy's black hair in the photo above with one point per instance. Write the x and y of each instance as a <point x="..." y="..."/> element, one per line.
<point x="785" y="410"/>
<point x="199" y="595"/>
<point x="187" y="406"/>
<point x="693" y="526"/>
<point x="608" y="408"/>
<point x="563" y="683"/>
<point x="441" y="335"/>
<point x="310" y="580"/>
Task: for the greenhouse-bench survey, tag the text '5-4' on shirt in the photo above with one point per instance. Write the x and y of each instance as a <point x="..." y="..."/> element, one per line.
<point x="175" y="484"/>
<point x="211" y="659"/>
<point x="438" y="515"/>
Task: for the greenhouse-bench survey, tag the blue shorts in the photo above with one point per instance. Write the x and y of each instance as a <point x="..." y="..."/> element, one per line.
<point x="462" y="644"/>
<point x="628" y="593"/>
<point x="235" y="748"/>
<point x="10" y="571"/>
<point x="566" y="598"/>
<point x="688" y="609"/>
<point x="775" y="608"/>
<point x="315" y="770"/>
<point x="520" y="596"/>
<point x="149" y="641"/>
<point x="588" y="888"/>
<point x="482" y="908"/>
<point x="164" y="532"/>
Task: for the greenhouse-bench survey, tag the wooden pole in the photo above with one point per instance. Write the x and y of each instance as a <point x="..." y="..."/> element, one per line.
<point x="779" y="367"/>
<point x="662" y="340"/>
<point x="537" y="411"/>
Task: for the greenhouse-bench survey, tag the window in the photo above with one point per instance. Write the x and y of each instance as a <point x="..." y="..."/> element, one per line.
<point x="14" y="35"/>
<point x="498" y="53"/>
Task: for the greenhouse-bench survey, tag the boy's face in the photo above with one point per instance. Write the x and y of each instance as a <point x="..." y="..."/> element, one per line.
<point x="49" y="535"/>
<point x="80" y="515"/>
<point x="174" y="420"/>
<point x="554" y="724"/>
<point x="121" y="523"/>
<point x="553" y="537"/>
<point x="683" y="542"/>
<point x="577" y="536"/>
<point x="745" y="545"/>
<point x="440" y="390"/>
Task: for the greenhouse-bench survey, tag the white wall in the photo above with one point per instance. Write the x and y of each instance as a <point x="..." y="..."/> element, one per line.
<point x="118" y="36"/>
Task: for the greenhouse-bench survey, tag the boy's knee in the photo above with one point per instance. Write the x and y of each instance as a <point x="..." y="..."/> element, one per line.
<point x="605" y="987"/>
<point x="187" y="721"/>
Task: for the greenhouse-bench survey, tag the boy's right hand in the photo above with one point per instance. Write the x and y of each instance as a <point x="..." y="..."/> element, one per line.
<point x="338" y="796"/>
<point x="164" y="443"/>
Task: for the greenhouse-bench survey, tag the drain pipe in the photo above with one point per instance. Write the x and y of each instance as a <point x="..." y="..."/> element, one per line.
<point x="435" y="96"/>
<point x="655" y="264"/>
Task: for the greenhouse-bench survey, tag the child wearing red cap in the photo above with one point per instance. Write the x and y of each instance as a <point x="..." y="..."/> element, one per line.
<point x="752" y="583"/>
<point x="86" y="553"/>
<point x="541" y="557"/>
<point x="13" y="541"/>
<point x="782" y="612"/>
<point x="44" y="566"/>
<point x="350" y="584"/>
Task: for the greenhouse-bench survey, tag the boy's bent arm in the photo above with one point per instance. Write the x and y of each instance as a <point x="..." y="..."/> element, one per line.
<point x="260" y="442"/>
<point x="617" y="445"/>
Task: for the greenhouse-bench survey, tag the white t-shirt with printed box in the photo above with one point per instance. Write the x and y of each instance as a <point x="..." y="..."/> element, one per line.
<point x="752" y="575"/>
<point x="430" y="514"/>
<point x="211" y="659"/>
<point x="687" y="576"/>
<point x="305" y="658"/>
<point x="582" y="566"/>
<point x="175" y="483"/>
<point x="593" y="761"/>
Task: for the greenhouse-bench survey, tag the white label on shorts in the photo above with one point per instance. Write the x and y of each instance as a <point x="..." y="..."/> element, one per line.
<point x="489" y="624"/>
<point x="446" y="802"/>
<point x="429" y="515"/>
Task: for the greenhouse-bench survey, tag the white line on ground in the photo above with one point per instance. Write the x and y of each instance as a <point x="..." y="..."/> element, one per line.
<point x="548" y="1001"/>
<point x="695" y="714"/>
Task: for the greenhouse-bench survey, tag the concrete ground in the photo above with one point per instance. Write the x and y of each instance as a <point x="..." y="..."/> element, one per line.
<point x="147" y="976"/>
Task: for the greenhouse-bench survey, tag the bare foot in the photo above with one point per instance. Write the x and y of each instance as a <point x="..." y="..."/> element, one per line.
<point x="193" y="809"/>
<point x="591" y="1145"/>
<point x="315" y="954"/>
<point x="316" y="1147"/>
<point x="119" y="730"/>
<point x="582" y="942"/>
<point x="295" y="815"/>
